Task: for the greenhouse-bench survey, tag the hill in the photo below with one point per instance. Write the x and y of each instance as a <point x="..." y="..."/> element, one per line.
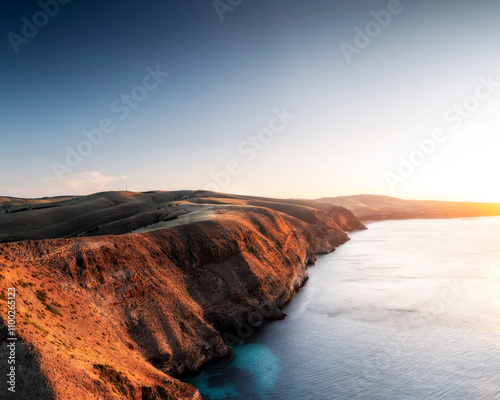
<point x="118" y="213"/>
<point x="376" y="208"/>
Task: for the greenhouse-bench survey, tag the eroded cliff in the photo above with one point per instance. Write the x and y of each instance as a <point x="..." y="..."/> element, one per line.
<point x="118" y="316"/>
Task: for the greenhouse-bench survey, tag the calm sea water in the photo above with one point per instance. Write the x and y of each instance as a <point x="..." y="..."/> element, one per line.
<point x="405" y="310"/>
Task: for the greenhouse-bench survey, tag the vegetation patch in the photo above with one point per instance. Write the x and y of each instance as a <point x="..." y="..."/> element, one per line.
<point x="109" y="374"/>
<point x="38" y="327"/>
<point x="42" y="296"/>
<point x="53" y="309"/>
<point x="22" y="284"/>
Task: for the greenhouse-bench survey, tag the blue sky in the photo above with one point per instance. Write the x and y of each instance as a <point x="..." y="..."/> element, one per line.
<point x="354" y="125"/>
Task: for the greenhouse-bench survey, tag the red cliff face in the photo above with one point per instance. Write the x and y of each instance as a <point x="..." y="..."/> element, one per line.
<point x="118" y="316"/>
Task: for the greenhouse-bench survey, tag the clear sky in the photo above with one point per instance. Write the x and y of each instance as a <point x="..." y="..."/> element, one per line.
<point x="282" y="98"/>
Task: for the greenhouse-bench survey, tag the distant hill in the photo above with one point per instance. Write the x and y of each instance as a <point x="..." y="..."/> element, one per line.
<point x="375" y="208"/>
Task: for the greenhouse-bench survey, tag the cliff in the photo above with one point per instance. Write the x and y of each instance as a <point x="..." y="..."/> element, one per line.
<point x="151" y="287"/>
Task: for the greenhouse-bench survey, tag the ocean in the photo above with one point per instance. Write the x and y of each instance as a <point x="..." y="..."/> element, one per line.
<point x="405" y="310"/>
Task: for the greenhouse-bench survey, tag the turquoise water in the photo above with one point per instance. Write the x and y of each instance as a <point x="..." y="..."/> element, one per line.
<point x="405" y="310"/>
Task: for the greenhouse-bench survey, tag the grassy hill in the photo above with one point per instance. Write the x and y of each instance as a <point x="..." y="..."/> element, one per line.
<point x="115" y="213"/>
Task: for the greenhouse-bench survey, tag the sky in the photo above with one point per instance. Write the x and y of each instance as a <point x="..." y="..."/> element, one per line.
<point x="282" y="98"/>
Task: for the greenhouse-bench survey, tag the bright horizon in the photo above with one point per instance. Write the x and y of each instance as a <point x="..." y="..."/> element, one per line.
<point x="283" y="99"/>
<point x="250" y="194"/>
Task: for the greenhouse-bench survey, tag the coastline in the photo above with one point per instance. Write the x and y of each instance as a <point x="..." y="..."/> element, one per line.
<point x="356" y="305"/>
<point x="161" y="290"/>
<point x="127" y="313"/>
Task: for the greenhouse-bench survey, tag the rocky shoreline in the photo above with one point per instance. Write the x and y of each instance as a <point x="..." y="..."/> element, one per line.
<point x="120" y="316"/>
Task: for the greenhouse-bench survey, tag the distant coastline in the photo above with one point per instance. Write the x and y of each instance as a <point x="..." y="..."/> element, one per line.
<point x="380" y="208"/>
